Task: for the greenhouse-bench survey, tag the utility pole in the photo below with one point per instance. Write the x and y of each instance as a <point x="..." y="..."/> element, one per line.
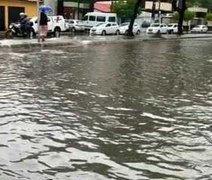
<point x="38" y="20"/>
<point x="153" y="10"/>
<point x="78" y="8"/>
<point x="159" y="12"/>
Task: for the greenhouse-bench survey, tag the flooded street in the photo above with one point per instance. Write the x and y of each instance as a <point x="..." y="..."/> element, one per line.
<point x="128" y="111"/>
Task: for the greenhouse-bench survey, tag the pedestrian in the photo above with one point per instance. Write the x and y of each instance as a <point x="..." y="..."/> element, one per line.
<point x="43" y="25"/>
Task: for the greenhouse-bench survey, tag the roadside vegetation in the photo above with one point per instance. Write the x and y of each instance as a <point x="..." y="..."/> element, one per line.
<point x="129" y="9"/>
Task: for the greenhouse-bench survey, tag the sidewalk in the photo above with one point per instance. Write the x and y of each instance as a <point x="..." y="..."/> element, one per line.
<point x="85" y="40"/>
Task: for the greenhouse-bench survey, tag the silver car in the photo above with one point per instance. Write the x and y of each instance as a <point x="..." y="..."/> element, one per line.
<point x="199" y="29"/>
<point x="75" y="25"/>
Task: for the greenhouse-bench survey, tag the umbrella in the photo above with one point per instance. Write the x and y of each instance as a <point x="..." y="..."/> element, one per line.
<point x="45" y="9"/>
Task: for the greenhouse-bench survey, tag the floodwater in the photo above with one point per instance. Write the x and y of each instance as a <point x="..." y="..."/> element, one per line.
<point x="128" y="111"/>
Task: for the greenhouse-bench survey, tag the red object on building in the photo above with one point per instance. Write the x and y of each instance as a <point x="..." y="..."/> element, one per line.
<point x="102" y="6"/>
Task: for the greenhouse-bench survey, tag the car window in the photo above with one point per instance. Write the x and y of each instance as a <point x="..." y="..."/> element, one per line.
<point x="112" y="19"/>
<point x="124" y="24"/>
<point x="92" y="18"/>
<point x="100" y="18"/>
<point x="155" y="25"/>
<point x="108" y="25"/>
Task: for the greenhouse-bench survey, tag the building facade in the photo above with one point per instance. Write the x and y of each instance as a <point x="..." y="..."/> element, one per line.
<point x="74" y="9"/>
<point x="10" y="9"/>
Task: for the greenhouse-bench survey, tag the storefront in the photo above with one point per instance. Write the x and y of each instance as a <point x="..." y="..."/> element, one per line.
<point x="10" y="9"/>
<point x="74" y="9"/>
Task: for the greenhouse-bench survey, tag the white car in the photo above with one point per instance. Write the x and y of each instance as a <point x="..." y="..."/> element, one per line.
<point x="199" y="29"/>
<point x="104" y="29"/>
<point x="172" y="28"/>
<point x="75" y="25"/>
<point x="123" y="28"/>
<point x="56" y="24"/>
<point x="157" y="28"/>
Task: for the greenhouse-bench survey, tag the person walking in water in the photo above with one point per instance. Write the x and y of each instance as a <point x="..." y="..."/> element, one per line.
<point x="43" y="25"/>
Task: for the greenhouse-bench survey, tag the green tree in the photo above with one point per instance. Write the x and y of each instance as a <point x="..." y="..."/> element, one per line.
<point x="206" y="3"/>
<point x="202" y="3"/>
<point x="127" y="9"/>
<point x="188" y="16"/>
<point x="123" y="8"/>
<point x="134" y="15"/>
<point x="209" y="16"/>
<point x="175" y="16"/>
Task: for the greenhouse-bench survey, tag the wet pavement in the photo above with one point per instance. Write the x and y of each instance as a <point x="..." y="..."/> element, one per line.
<point x="124" y="111"/>
<point x="78" y="40"/>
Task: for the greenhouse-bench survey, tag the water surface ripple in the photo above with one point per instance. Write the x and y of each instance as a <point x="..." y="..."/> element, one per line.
<point x="128" y="111"/>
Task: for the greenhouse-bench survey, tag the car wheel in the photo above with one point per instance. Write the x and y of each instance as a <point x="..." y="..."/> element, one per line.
<point x="138" y="32"/>
<point x="103" y="33"/>
<point x="57" y="32"/>
<point x="126" y="32"/>
<point x="117" y="32"/>
<point x="31" y="34"/>
<point x="158" y="32"/>
<point x="73" y="29"/>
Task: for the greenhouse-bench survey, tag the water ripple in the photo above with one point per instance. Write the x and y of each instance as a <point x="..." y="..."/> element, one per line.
<point x="126" y="111"/>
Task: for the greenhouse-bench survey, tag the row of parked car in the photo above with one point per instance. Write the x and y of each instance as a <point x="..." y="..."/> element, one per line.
<point x="57" y="24"/>
<point x="103" y="28"/>
<point x="114" y="28"/>
<point x="173" y="28"/>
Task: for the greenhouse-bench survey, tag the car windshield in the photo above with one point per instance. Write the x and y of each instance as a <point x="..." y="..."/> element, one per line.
<point x="124" y="24"/>
<point x="170" y="25"/>
<point x="155" y="25"/>
<point x="100" y="24"/>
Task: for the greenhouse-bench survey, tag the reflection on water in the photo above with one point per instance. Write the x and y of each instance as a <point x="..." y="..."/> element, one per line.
<point x="115" y="111"/>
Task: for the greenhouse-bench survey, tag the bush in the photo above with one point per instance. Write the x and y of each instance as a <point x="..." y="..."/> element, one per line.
<point x="209" y="16"/>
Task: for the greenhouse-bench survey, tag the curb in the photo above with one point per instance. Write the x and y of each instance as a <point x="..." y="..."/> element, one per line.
<point x="77" y="43"/>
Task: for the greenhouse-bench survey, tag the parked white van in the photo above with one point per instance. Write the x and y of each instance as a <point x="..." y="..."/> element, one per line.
<point x="93" y="18"/>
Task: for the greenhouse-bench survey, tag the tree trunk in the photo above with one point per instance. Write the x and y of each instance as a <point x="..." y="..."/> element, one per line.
<point x="181" y="10"/>
<point x="180" y="22"/>
<point x="130" y="30"/>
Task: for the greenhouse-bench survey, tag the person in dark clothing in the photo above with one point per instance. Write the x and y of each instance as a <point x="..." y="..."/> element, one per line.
<point x="43" y="25"/>
<point x="23" y="21"/>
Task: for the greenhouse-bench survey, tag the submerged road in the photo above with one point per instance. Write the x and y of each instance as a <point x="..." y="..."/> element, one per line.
<point x="131" y="111"/>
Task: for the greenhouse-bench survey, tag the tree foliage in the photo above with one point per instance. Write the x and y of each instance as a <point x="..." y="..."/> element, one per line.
<point x="209" y="16"/>
<point x="187" y="16"/>
<point x="123" y="8"/>
<point x="201" y="3"/>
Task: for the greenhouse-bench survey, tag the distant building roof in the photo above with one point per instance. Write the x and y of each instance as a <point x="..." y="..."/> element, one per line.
<point x="164" y="6"/>
<point x="102" y="6"/>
